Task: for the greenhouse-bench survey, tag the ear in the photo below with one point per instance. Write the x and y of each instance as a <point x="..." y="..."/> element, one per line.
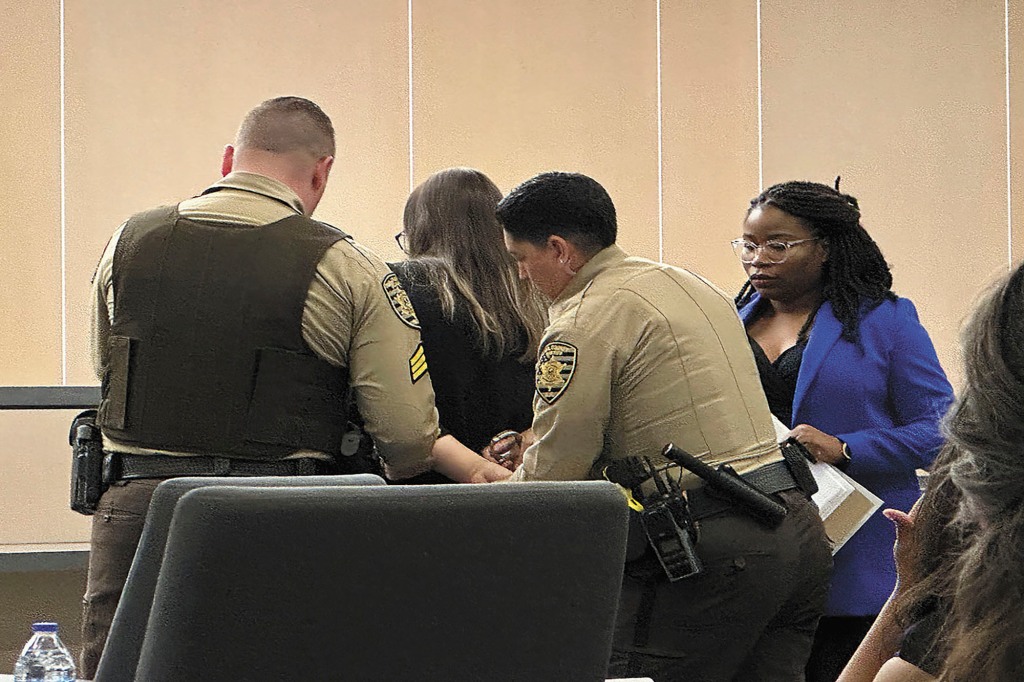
<point x="321" y="172"/>
<point x="824" y="251"/>
<point x="228" y="160"/>
<point x="562" y="249"/>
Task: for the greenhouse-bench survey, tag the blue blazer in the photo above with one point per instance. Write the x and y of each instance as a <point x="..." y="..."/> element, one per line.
<point x="883" y="397"/>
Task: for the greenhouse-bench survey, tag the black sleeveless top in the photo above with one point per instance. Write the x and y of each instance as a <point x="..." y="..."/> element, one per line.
<point x="779" y="378"/>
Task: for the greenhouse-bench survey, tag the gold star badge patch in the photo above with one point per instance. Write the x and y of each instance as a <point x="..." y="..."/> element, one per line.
<point x="399" y="300"/>
<point x="555" y="367"/>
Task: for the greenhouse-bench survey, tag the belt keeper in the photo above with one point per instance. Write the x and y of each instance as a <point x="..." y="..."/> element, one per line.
<point x="221" y="466"/>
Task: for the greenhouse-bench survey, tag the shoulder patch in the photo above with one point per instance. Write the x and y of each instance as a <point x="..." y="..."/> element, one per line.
<point x="399" y="300"/>
<point x="417" y="364"/>
<point x="555" y="366"/>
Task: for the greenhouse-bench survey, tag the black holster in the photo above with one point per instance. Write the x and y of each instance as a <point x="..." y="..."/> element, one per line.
<point x="797" y="459"/>
<point x="87" y="480"/>
<point x="358" y="452"/>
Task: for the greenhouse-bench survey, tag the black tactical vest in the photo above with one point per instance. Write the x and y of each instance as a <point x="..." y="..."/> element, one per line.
<point x="206" y="352"/>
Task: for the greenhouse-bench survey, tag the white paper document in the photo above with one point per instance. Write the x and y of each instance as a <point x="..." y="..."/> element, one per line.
<point x="843" y="504"/>
<point x="833" y="488"/>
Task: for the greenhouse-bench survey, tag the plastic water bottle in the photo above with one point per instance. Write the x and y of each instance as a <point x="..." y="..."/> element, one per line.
<point x="44" y="658"/>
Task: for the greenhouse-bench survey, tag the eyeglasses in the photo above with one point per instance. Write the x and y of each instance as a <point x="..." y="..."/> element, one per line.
<point x="402" y="241"/>
<point x="771" y="251"/>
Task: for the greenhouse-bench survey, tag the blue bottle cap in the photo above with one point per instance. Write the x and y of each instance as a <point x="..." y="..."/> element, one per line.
<point x="44" y="627"/>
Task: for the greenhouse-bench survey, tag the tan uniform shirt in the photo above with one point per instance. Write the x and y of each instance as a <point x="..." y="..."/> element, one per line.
<point x="637" y="355"/>
<point x="348" y="320"/>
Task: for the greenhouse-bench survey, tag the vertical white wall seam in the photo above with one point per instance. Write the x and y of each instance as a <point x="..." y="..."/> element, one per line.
<point x="1009" y="180"/>
<point x="760" y="109"/>
<point x="411" y="167"/>
<point x="661" y="196"/>
<point x="63" y="222"/>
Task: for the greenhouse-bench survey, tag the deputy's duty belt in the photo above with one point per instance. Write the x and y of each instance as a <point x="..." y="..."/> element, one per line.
<point x="769" y="479"/>
<point x="166" y="466"/>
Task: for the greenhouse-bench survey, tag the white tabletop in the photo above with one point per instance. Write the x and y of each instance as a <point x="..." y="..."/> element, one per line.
<point x="10" y="678"/>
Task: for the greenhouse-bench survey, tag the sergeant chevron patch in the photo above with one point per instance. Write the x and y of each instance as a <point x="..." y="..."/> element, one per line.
<point x="555" y="367"/>
<point x="399" y="300"/>
<point x="417" y="364"/>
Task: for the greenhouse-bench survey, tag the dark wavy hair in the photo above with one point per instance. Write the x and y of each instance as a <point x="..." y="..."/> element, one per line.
<point x="942" y="537"/>
<point x="971" y="518"/>
<point x="855" y="273"/>
<point x="986" y="428"/>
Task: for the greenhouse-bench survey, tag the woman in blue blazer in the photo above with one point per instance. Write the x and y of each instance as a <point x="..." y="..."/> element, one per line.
<point x="846" y="364"/>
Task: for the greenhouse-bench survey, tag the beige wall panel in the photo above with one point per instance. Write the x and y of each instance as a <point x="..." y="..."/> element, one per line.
<point x="36" y="461"/>
<point x="709" y="132"/>
<point x="517" y="88"/>
<point x="1016" y="61"/>
<point x="30" y="344"/>
<point x="42" y="596"/>
<point x="904" y="100"/>
<point x="156" y="90"/>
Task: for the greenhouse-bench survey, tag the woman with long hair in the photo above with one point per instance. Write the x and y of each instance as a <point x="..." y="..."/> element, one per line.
<point x="987" y="618"/>
<point x="907" y="642"/>
<point x="480" y="323"/>
<point x="956" y="613"/>
<point x="845" y="364"/>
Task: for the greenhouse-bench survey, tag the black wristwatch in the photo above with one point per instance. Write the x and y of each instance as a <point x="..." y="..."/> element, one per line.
<point x="845" y="461"/>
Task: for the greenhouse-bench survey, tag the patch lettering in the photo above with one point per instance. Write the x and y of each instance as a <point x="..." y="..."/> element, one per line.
<point x="555" y="368"/>
<point x="417" y="364"/>
<point x="399" y="300"/>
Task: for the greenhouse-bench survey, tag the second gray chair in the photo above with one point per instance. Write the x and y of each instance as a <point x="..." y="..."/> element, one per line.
<point x="128" y="629"/>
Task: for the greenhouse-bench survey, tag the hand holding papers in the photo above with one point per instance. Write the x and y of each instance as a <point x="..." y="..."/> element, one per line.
<point x="843" y="504"/>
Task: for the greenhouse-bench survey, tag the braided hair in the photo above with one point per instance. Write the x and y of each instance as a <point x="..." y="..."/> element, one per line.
<point x="856" y="272"/>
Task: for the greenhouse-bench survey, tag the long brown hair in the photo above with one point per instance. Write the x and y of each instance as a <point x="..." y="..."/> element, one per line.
<point x="986" y="426"/>
<point x="971" y="518"/>
<point x="450" y="227"/>
<point x="942" y="538"/>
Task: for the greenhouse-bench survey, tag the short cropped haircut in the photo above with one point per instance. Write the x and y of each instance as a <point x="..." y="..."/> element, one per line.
<point x="287" y="124"/>
<point x="569" y="205"/>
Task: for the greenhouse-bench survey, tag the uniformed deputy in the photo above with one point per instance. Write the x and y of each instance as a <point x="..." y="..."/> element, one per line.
<point x="229" y="332"/>
<point x="639" y="354"/>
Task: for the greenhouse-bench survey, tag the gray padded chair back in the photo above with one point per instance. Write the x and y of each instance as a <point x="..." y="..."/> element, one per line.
<point x="121" y="654"/>
<point x="447" y="582"/>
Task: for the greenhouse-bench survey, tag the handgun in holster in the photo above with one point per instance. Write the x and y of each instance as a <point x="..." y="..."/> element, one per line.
<point x="727" y="484"/>
<point x="664" y="515"/>
<point x="88" y="482"/>
<point x="358" y="452"/>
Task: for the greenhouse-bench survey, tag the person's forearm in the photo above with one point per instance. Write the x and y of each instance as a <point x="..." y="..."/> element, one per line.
<point x="879" y="645"/>
<point x="459" y="463"/>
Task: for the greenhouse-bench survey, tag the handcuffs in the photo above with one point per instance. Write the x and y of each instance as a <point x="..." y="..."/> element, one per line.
<point x="504" y="445"/>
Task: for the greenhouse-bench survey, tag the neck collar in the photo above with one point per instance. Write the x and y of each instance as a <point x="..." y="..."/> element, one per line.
<point x="601" y="261"/>
<point x="259" y="184"/>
